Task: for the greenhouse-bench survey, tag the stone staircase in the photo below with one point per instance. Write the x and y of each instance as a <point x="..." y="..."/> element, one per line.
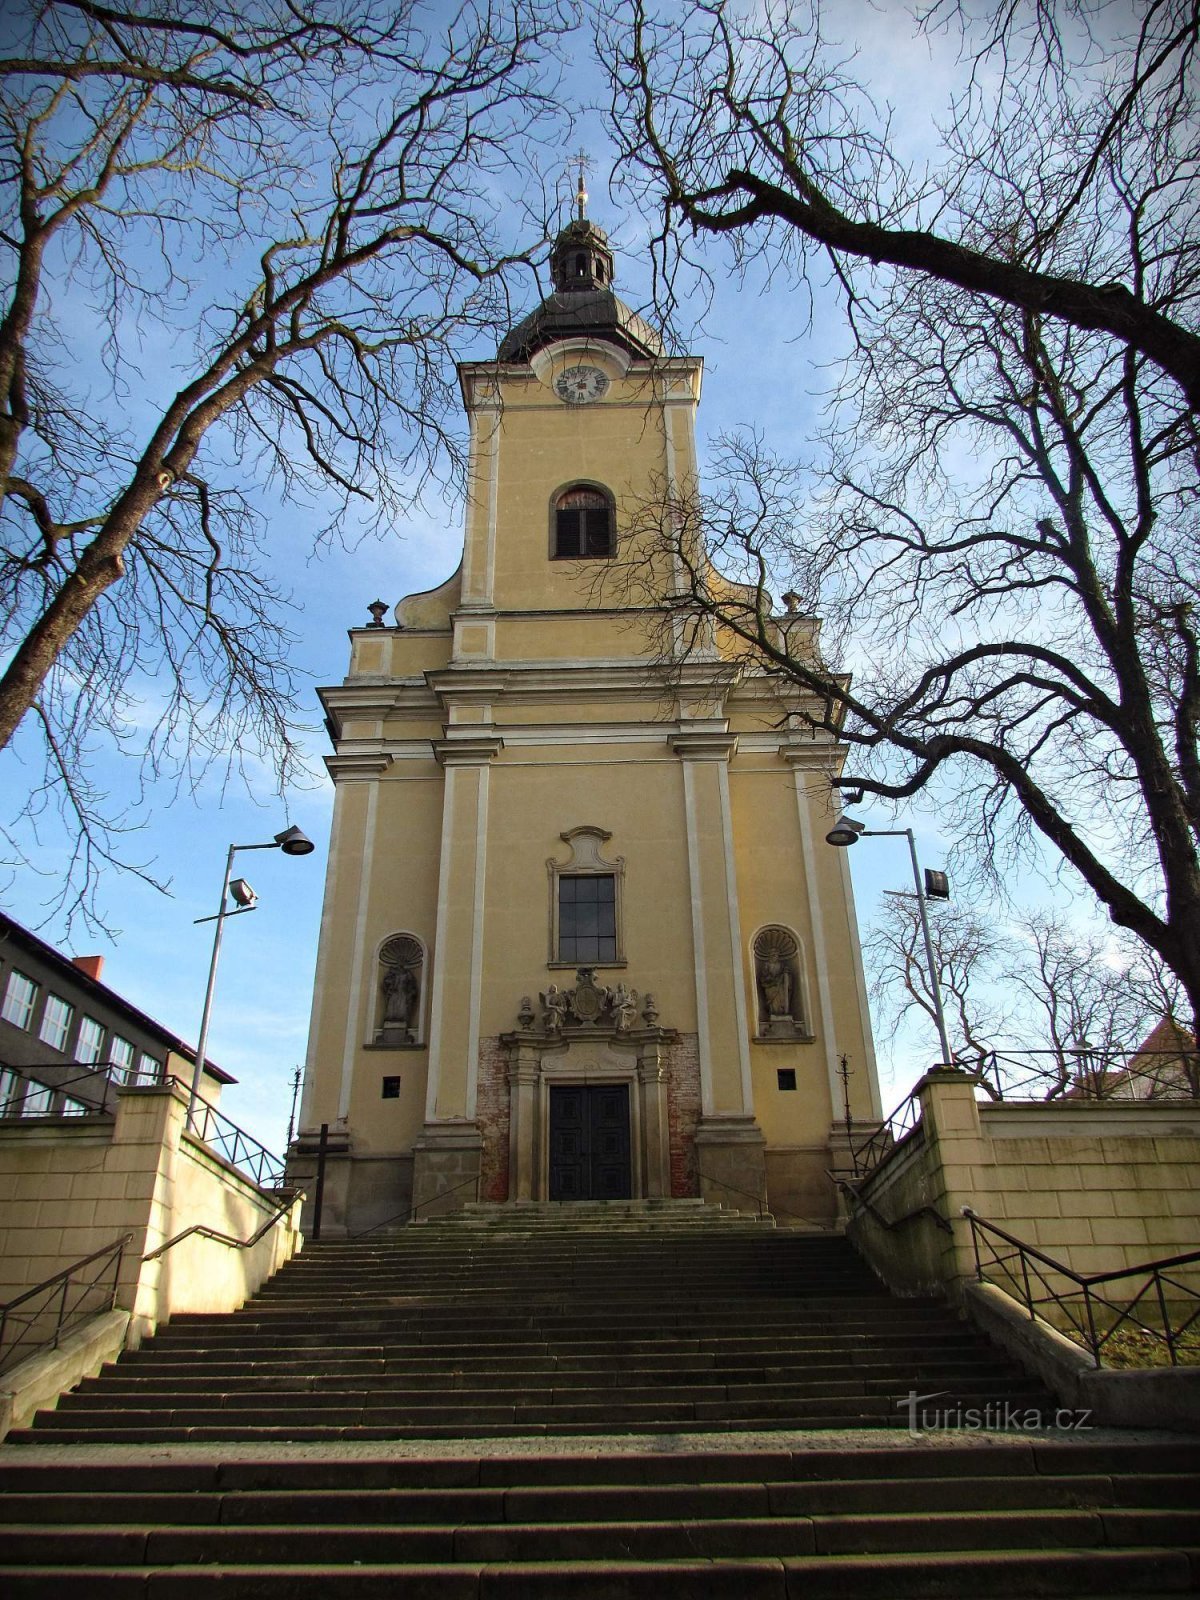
<point x="572" y="1325"/>
<point x="548" y="1321"/>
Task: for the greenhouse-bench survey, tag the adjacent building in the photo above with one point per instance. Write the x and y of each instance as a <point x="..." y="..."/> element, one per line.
<point x="67" y="1040"/>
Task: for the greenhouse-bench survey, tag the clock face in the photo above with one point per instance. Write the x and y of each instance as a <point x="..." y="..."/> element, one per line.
<point x="579" y="386"/>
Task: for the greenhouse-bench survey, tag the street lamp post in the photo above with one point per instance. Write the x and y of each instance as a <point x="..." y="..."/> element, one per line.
<point x="845" y="832"/>
<point x="293" y="843"/>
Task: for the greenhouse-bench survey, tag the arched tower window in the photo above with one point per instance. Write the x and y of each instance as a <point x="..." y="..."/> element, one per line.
<point x="583" y="525"/>
<point x="398" y="999"/>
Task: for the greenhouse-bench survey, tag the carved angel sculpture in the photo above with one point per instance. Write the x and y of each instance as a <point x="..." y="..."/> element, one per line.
<point x="554" y="1009"/>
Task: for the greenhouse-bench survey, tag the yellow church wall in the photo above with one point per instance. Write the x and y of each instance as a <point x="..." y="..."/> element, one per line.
<point x="388" y="886"/>
<point x="639" y="803"/>
<point x="574" y="635"/>
<point x="543" y="449"/>
<point x="410" y="655"/>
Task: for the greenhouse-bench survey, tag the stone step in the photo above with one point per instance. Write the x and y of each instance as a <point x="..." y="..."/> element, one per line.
<point x="285" y="1541"/>
<point x="1099" y="1575"/>
<point x="547" y="1390"/>
<point x="311" y="1507"/>
<point x="529" y="1375"/>
<point x="485" y="1333"/>
<point x="1030" y="1519"/>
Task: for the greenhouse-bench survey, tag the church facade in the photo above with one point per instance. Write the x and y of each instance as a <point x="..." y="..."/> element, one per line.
<point x="582" y="936"/>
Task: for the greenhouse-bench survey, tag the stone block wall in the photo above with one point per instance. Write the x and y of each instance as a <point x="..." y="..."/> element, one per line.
<point x="1099" y="1186"/>
<point x="69" y="1188"/>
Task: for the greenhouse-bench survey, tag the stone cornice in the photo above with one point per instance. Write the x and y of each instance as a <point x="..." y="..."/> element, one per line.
<point x="368" y="764"/>
<point x="470" y="750"/>
<point x="704" y="744"/>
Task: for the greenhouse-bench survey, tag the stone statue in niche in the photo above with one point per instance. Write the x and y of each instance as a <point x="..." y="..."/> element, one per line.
<point x="400" y="966"/>
<point x="777" y="980"/>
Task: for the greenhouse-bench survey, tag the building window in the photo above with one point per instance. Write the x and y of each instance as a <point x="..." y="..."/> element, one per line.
<point x="38" y="1101"/>
<point x="585" y="902"/>
<point x="19" y="1000"/>
<point x="583" y="524"/>
<point x="89" y="1047"/>
<point x="149" y="1070"/>
<point x="587" y="918"/>
<point x="786" y="1077"/>
<point x="73" y="1108"/>
<point x="391" y="1089"/>
<point x="56" y="1022"/>
<point x="120" y="1055"/>
<point x="10" y="1088"/>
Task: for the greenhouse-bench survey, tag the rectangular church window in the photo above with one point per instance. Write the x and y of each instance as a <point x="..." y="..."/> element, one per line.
<point x="786" y="1076"/>
<point x="587" y="918"/>
<point x="391" y="1089"/>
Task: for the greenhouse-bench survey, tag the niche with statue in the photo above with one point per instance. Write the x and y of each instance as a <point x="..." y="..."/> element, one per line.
<point x="398" y="1006"/>
<point x="778" y="985"/>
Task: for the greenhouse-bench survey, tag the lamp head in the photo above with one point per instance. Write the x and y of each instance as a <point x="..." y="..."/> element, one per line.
<point x="293" y="842"/>
<point x="242" y="894"/>
<point x="845" y="831"/>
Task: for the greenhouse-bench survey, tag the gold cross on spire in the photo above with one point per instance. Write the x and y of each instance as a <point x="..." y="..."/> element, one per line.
<point x="581" y="195"/>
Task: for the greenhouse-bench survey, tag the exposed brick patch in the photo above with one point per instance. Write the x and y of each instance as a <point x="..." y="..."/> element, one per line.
<point x="683" y="1114"/>
<point x="491" y="1113"/>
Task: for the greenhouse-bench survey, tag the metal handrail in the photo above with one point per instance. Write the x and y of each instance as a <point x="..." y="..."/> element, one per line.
<point x="63" y="1317"/>
<point x="224" y="1137"/>
<point x="732" y="1187"/>
<point x="1085" y="1073"/>
<point x="234" y="1145"/>
<point x="1031" y="1260"/>
<point x="108" y="1074"/>
<point x="205" y="1232"/>
<point x="410" y="1213"/>
<point x="889" y="1224"/>
<point x="894" y="1128"/>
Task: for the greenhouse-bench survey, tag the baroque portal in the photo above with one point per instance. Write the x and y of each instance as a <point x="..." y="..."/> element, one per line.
<point x="580" y="1053"/>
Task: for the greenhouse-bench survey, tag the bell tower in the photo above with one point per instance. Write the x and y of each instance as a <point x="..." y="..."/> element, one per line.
<point x="581" y="937"/>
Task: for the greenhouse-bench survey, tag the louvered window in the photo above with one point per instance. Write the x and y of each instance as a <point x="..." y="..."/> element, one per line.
<point x="583" y="525"/>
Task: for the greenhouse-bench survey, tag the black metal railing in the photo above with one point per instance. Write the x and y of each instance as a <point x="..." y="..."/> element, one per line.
<point x="409" y="1214"/>
<point x="37" y="1319"/>
<point x="1164" y="1311"/>
<point x="201" y="1230"/>
<point x="723" y="1183"/>
<point x="1084" y="1073"/>
<point x="867" y="1154"/>
<point x="236" y="1146"/>
<point x="889" y="1224"/>
<point x="41" y="1091"/>
<point x="101" y="1081"/>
